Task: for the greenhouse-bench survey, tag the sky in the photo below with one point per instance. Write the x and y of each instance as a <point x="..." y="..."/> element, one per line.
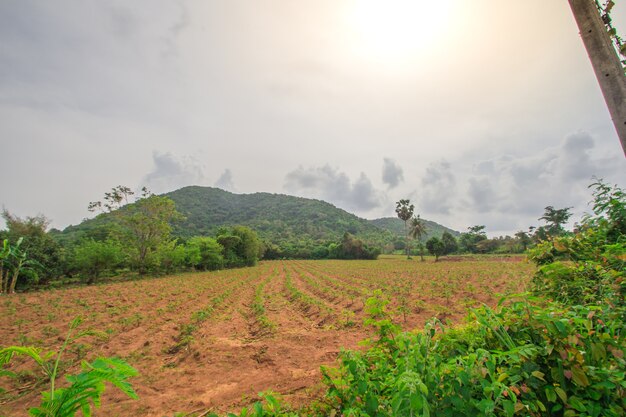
<point x="478" y="111"/>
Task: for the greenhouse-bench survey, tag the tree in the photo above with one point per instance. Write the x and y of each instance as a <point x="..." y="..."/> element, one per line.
<point x="172" y="256"/>
<point x="205" y="253"/>
<point x="436" y="247"/>
<point x="242" y="246"/>
<point x="450" y="244"/>
<point x="609" y="207"/>
<point x="91" y="258"/>
<point x="468" y="241"/>
<point x="114" y="199"/>
<point x="351" y="247"/>
<point x="144" y="225"/>
<point x="524" y="239"/>
<point x="404" y="211"/>
<point x="417" y="231"/>
<point x="41" y="247"/>
<point x="555" y="219"/>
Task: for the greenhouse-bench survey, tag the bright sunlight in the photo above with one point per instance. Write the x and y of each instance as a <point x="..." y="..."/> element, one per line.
<point x="396" y="31"/>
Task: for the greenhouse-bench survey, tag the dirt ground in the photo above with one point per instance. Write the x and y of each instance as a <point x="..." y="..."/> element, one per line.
<point x="310" y="311"/>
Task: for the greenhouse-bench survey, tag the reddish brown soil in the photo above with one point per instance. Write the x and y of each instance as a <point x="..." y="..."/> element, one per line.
<point x="233" y="356"/>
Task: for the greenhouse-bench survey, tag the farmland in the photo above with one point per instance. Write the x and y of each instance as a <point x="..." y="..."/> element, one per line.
<point x="214" y="340"/>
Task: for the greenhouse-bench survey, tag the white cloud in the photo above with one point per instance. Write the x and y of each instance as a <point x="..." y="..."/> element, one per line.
<point x="171" y="173"/>
<point x="92" y="87"/>
<point x="225" y="181"/>
<point x="392" y="173"/>
<point x="330" y="184"/>
<point x="438" y="189"/>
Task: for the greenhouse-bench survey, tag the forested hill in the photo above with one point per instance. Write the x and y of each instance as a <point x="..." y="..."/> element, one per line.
<point x="298" y="226"/>
<point x="280" y="219"/>
<point x="396" y="226"/>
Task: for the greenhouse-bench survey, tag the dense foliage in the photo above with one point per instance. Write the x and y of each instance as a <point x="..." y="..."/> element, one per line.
<point x="33" y="251"/>
<point x="351" y="248"/>
<point x="589" y="266"/>
<point x="522" y="360"/>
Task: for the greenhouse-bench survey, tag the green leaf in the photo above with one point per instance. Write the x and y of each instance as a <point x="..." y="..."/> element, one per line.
<point x="577" y="404"/>
<point x="579" y="377"/>
<point x="562" y="395"/>
<point x="538" y="375"/>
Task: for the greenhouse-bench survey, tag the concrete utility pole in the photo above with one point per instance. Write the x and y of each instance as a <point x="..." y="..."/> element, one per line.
<point x="605" y="61"/>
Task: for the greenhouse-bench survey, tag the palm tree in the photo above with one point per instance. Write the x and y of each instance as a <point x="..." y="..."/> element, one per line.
<point x="417" y="230"/>
<point x="404" y="210"/>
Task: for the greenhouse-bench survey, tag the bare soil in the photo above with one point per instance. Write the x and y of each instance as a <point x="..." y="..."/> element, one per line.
<point x="233" y="356"/>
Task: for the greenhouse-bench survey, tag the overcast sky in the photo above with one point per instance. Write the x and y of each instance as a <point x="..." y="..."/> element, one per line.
<point x="479" y="111"/>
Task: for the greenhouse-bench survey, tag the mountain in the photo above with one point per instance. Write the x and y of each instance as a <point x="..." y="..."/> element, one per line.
<point x="396" y="226"/>
<point x="281" y="219"/>
<point x="299" y="226"/>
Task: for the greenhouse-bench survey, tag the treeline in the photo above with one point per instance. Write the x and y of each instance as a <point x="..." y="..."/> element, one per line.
<point x="136" y="238"/>
<point x="132" y="239"/>
<point x="349" y="247"/>
<point x="475" y="240"/>
<point x="90" y="259"/>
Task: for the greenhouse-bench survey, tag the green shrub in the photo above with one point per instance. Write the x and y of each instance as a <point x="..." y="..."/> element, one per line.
<point x="522" y="360"/>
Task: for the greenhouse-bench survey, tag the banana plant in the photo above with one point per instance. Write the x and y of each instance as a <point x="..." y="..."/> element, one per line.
<point x="15" y="261"/>
<point x="4" y="253"/>
<point x="9" y="269"/>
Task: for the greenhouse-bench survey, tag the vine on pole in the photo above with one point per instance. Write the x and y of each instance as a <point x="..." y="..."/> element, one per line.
<point x="618" y="42"/>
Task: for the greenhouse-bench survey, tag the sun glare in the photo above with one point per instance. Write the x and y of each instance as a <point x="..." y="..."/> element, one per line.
<point x="395" y="30"/>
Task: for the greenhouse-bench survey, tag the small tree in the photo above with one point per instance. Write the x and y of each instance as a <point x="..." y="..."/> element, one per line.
<point x="555" y="219"/>
<point x="417" y="231"/>
<point x="404" y="211"/>
<point x="91" y="258"/>
<point x="524" y="239"/>
<point x="205" y="253"/>
<point x="436" y="247"/>
<point x="468" y="241"/>
<point x="171" y="256"/>
<point x="449" y="243"/>
<point x="145" y="225"/>
<point x="242" y="246"/>
<point x="41" y="247"/>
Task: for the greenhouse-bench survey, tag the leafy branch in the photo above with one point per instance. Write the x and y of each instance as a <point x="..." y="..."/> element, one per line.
<point x="85" y="389"/>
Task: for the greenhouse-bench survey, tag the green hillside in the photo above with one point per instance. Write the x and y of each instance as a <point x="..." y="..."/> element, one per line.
<point x="293" y="223"/>
<point x="298" y="226"/>
<point x="396" y="226"/>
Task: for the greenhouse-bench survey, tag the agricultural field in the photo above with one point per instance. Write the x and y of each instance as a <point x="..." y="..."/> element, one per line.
<point x="214" y="340"/>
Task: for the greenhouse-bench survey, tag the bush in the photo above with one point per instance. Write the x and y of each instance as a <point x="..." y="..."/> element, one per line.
<point x="522" y="360"/>
<point x="592" y="265"/>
